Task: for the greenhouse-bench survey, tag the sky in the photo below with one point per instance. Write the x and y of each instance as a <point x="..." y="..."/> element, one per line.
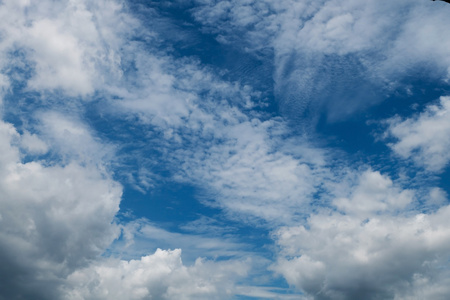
<point x="224" y="149"/>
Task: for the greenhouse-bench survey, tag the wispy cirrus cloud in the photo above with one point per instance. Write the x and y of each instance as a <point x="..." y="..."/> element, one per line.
<point x="337" y="56"/>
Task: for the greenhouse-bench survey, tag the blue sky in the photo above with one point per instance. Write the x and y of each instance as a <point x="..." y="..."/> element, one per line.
<point x="234" y="149"/>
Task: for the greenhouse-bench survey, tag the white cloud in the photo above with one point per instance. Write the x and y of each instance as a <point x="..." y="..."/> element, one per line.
<point x="54" y="219"/>
<point x="161" y="275"/>
<point x="33" y="144"/>
<point x="4" y="86"/>
<point x="210" y="138"/>
<point x="152" y="94"/>
<point x="71" y="139"/>
<point x="367" y="249"/>
<point x="425" y="137"/>
<point x="178" y="97"/>
<point x="59" y="60"/>
<point x="245" y="175"/>
<point x="70" y="45"/>
<point x="174" y="93"/>
<point x="342" y="56"/>
<point x="374" y="194"/>
<point x="57" y="219"/>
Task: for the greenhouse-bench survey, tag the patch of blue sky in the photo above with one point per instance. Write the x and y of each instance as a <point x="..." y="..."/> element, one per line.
<point x="444" y="180"/>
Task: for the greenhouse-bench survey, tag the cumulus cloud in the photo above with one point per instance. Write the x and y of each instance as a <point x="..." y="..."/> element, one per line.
<point x="373" y="253"/>
<point x="161" y="275"/>
<point x="423" y="138"/>
<point x="374" y="194"/>
<point x="54" y="219"/>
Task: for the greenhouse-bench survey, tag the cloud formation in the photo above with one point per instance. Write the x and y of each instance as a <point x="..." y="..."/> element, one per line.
<point x="54" y="220"/>
<point x="366" y="248"/>
<point x="424" y="137"/>
<point x="158" y="276"/>
<point x="59" y="200"/>
<point x="337" y="56"/>
<point x="100" y="97"/>
<point x="70" y="45"/>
